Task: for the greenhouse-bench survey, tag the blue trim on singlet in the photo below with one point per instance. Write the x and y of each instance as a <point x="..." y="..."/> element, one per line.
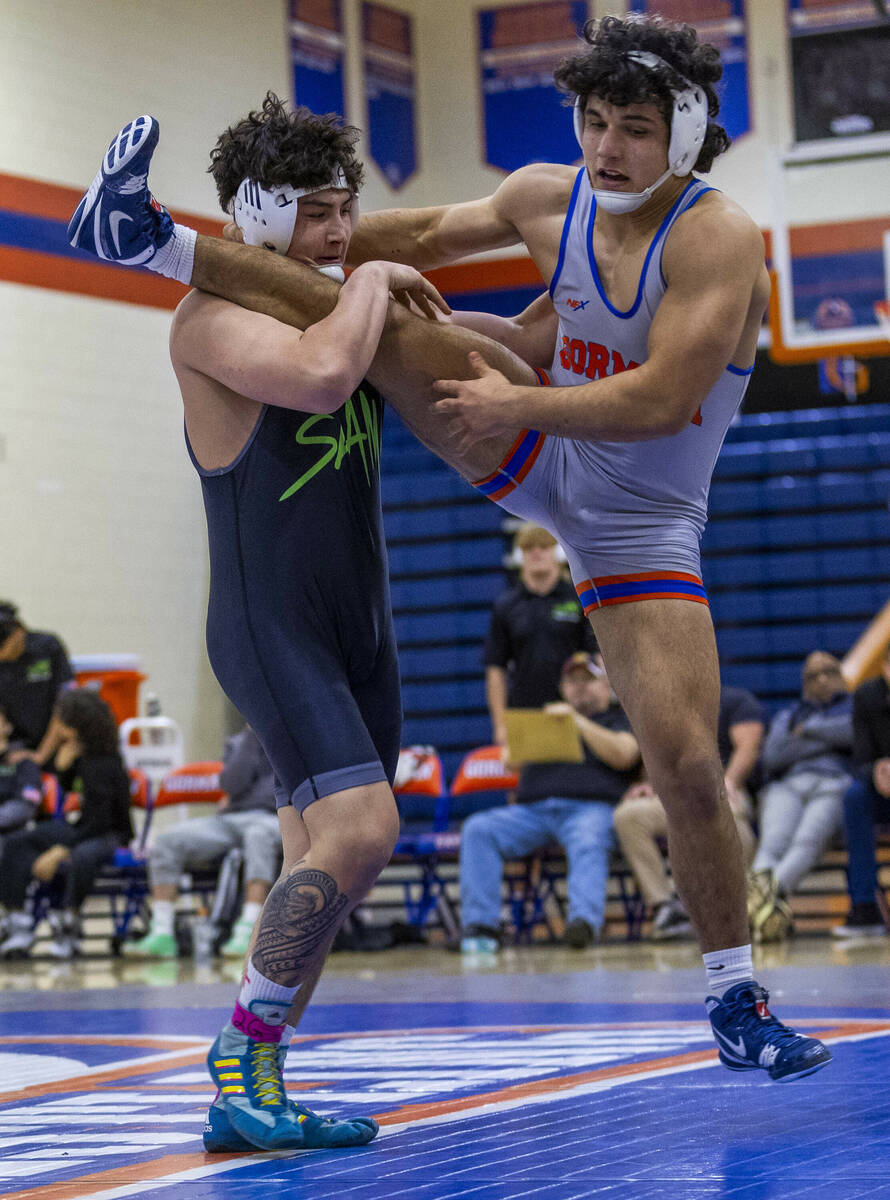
<point x="692" y="203"/>
<point x="625" y="316"/>
<point x="741" y="370"/>
<point x="234" y="463"/>
<point x="566" y="229"/>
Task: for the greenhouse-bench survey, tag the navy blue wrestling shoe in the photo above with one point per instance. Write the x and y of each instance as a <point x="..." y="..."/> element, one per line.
<point x="750" y="1038"/>
<point x="118" y="219"/>
<point x="252" y="1112"/>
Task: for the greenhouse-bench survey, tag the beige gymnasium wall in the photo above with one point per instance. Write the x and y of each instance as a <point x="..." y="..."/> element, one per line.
<point x="102" y="531"/>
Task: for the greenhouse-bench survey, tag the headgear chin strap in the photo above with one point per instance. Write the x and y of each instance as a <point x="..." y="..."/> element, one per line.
<point x="267" y="216"/>
<point x="689" y="124"/>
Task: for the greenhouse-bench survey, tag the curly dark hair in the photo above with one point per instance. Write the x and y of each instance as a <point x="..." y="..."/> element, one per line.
<point x="276" y="146"/>
<point x="92" y="720"/>
<point x="603" y="69"/>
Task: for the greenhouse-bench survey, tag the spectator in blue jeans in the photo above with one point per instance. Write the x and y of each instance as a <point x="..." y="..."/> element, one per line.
<point x="568" y="803"/>
<point x="867" y="802"/>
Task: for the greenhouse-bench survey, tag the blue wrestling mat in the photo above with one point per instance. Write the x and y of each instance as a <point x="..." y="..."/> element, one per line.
<point x="552" y="1101"/>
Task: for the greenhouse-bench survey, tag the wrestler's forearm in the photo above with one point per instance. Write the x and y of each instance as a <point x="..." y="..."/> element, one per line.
<point x="617" y="409"/>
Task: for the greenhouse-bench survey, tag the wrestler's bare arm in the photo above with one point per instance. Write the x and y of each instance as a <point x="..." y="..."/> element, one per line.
<point x="426" y="238"/>
<point x="263" y="359"/>
<point x="715" y="294"/>
<point x="531" y="334"/>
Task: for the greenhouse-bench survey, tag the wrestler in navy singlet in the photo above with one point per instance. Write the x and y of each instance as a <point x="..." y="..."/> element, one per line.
<point x="299" y="625"/>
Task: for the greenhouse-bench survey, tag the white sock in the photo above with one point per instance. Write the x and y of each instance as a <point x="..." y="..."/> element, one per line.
<point x="162" y="914"/>
<point x="250" y="911"/>
<point x="176" y="259"/>
<point x="258" y="992"/>
<point x="726" y="968"/>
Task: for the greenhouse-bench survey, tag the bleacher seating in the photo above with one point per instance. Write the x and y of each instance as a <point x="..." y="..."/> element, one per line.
<point x="796" y="556"/>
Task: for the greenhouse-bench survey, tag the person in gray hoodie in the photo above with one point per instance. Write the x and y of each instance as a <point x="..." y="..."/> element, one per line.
<point x="806" y="760"/>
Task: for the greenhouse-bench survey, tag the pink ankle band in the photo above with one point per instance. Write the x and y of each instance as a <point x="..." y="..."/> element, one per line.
<point x="250" y="1024"/>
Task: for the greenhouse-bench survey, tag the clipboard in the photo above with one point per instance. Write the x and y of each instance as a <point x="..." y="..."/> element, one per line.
<point x="534" y="736"/>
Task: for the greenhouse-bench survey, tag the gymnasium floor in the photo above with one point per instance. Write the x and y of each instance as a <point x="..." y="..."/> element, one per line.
<point x="553" y="1074"/>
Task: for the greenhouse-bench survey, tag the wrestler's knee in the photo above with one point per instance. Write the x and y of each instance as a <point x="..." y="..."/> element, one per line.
<point x="690" y="786"/>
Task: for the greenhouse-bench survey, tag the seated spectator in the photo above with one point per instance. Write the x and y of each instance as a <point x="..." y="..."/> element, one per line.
<point x="246" y="818"/>
<point x="535" y="625"/>
<point x="640" y="819"/>
<point x="867" y="802"/>
<point x="34" y="668"/>
<point x="568" y="803"/>
<point x="21" y="786"/>
<point x="806" y="760"/>
<point x="87" y="762"/>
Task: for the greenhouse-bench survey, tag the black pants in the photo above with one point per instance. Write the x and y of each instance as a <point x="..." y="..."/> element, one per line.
<point x="20" y="850"/>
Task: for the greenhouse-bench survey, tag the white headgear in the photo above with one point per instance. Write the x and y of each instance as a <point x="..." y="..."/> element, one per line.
<point x="689" y="124"/>
<point x="267" y="217"/>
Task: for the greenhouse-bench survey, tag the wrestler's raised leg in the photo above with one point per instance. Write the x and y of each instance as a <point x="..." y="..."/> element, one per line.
<point x="413" y="352"/>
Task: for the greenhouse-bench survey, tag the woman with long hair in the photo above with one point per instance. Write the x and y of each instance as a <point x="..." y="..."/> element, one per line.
<point x="71" y="851"/>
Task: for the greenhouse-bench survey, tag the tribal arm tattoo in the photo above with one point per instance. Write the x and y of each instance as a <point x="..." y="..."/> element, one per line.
<point x="302" y="913"/>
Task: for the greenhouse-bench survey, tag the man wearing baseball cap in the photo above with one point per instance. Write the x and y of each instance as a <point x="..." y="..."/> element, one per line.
<point x="570" y="803"/>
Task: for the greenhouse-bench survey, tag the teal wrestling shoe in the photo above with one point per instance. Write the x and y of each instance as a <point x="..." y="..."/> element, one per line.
<point x="231" y="1128"/>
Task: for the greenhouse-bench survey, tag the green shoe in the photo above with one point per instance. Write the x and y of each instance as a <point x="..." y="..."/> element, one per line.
<point x="238" y="943"/>
<point x="153" y="945"/>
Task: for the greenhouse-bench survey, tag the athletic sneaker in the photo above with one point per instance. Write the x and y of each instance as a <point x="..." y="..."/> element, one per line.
<point x="118" y="219"/>
<point x="251" y="1109"/>
<point x="761" y="888"/>
<point x="238" y="943"/>
<point x="480" y="939"/>
<point x="19" y="936"/>
<point x="864" y="920"/>
<point x="65" y="941"/>
<point x="750" y="1038"/>
<point x="153" y="945"/>
<point x="773" y="921"/>
<point x="670" y="921"/>
<point x="579" y="934"/>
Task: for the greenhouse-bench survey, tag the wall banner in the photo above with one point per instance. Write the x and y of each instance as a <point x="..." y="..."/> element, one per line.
<point x="390" y="91"/>
<point x="317" y="54"/>
<point x="722" y="23"/>
<point x="519" y="47"/>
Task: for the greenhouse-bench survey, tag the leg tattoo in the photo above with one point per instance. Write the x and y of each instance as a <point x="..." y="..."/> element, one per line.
<point x="301" y="914"/>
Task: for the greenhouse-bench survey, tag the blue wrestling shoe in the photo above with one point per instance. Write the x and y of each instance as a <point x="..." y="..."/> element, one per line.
<point x="750" y="1038"/>
<point x="251" y="1110"/>
<point x="118" y="219"/>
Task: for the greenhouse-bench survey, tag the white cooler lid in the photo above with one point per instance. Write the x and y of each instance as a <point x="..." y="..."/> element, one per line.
<point x="105" y="662"/>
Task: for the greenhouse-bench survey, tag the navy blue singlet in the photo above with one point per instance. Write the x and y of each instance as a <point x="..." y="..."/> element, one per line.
<point x="299" y="624"/>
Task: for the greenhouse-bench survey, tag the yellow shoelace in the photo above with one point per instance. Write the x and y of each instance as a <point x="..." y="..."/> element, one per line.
<point x="268" y="1085"/>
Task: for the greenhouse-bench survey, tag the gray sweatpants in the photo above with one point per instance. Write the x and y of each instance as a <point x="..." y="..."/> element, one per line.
<point x="205" y="840"/>
<point x="799" y="816"/>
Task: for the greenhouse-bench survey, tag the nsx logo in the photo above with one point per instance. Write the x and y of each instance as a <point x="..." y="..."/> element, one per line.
<point x="577" y="305"/>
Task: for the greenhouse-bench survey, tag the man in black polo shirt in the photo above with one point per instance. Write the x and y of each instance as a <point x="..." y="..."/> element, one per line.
<point x="535" y="626"/>
<point x="34" y="668"/>
<point x="867" y="802"/>
<point x="568" y="803"/>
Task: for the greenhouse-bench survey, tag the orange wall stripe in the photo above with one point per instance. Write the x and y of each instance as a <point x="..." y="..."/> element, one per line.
<point x="56" y="202"/>
<point x="62" y="274"/>
<point x="488" y="275"/>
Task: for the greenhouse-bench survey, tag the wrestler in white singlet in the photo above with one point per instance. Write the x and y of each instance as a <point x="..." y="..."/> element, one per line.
<point x="619" y="509"/>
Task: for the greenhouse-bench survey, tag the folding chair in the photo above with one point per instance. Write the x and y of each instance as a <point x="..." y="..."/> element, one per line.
<point x="423" y="806"/>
